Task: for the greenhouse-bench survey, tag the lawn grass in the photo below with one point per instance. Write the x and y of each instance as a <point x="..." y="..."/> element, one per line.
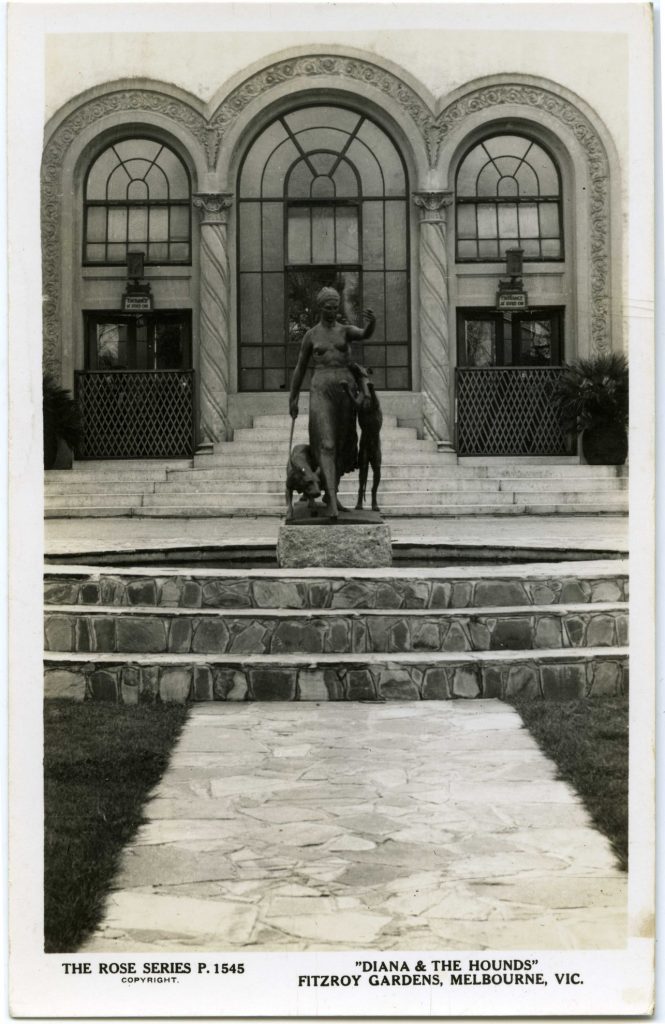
<point x="588" y="741"/>
<point x="100" y="762"/>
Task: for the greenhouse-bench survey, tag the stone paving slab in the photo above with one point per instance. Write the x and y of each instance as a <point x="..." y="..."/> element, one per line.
<point x="363" y="826"/>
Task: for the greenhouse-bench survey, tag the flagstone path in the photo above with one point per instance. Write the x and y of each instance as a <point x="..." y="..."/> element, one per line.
<point x="407" y="826"/>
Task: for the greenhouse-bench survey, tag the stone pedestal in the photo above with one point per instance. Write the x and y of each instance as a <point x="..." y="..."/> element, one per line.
<point x="357" y="540"/>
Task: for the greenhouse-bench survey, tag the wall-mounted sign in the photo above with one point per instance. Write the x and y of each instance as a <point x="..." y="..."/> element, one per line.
<point x="137" y="298"/>
<point x="507" y="299"/>
<point x="136" y="303"/>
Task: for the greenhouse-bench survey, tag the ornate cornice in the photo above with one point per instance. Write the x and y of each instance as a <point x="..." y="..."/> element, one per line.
<point x="213" y="206"/>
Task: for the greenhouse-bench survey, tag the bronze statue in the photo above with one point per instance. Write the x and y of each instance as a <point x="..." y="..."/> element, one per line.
<point x="303" y="476"/>
<point x="370" y="420"/>
<point x="332" y="413"/>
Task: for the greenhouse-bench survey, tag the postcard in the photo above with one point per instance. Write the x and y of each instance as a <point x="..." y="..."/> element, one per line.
<point x="332" y="531"/>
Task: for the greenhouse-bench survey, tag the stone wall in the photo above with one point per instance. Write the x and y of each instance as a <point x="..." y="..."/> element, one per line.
<point x="350" y="632"/>
<point x="244" y="591"/>
<point x="130" y="683"/>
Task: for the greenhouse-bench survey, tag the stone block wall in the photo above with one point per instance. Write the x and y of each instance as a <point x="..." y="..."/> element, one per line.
<point x="132" y="682"/>
<point x="390" y="592"/>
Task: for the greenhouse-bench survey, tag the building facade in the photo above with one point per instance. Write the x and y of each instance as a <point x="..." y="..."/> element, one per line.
<point x="184" y="244"/>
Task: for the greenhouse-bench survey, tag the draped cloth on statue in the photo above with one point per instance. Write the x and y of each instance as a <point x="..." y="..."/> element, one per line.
<point x="332" y="417"/>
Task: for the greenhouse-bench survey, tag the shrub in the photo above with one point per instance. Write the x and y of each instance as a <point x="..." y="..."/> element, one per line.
<point x="61" y="420"/>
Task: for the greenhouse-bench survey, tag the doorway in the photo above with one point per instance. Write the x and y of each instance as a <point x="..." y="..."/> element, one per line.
<point x="507" y="367"/>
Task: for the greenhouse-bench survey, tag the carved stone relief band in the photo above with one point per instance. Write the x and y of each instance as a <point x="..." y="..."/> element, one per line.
<point x="214" y="334"/>
<point x="433" y="317"/>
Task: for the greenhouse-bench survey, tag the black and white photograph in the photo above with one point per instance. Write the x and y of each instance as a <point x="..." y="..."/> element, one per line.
<point x="331" y="390"/>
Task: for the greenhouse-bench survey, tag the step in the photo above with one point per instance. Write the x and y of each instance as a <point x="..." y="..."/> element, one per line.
<point x="375" y="677"/>
<point x="88" y="511"/>
<point x="136" y="465"/>
<point x="278" y="631"/>
<point x="269" y="434"/>
<point x="85" y="500"/>
<point x="98" y="486"/>
<point x="537" y="583"/>
<point x="275" y="498"/>
<point x="231" y="454"/>
<point x="429" y="511"/>
<point x="209" y="481"/>
<point x="392" y="489"/>
<point x="402" y="471"/>
<point x="534" y="460"/>
<point x="279" y="449"/>
<point x="388" y="511"/>
<point x="120" y="475"/>
<point x="283" y="422"/>
<point x="577" y="483"/>
<point x="571" y="495"/>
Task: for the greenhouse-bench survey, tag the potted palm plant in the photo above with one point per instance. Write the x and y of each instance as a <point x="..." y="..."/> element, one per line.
<point x="592" y="399"/>
<point x="61" y="424"/>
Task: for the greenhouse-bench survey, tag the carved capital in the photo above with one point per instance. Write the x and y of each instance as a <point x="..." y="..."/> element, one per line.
<point x="433" y="205"/>
<point x="213" y="206"/>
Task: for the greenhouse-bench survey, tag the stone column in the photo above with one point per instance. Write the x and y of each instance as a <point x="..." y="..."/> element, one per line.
<point x="433" y="317"/>
<point x="215" y="338"/>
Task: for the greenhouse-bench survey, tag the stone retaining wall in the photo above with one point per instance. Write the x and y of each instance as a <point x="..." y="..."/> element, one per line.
<point x="194" y="591"/>
<point x="130" y="682"/>
<point x="352" y="633"/>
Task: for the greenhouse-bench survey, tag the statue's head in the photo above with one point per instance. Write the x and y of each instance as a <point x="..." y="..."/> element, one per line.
<point x="328" y="295"/>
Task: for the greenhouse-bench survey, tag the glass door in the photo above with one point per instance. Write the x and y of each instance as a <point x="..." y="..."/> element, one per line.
<point x="507" y="367"/>
<point x="138" y="341"/>
<point x="488" y="338"/>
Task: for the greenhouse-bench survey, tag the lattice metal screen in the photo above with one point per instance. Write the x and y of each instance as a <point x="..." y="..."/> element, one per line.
<point x="508" y="411"/>
<point x="136" y="414"/>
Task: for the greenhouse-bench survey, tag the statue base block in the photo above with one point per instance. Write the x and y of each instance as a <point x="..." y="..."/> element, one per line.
<point x="356" y="540"/>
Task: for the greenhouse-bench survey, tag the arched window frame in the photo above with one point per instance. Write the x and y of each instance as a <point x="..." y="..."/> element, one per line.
<point x="171" y="240"/>
<point x="390" y="357"/>
<point x="517" y="200"/>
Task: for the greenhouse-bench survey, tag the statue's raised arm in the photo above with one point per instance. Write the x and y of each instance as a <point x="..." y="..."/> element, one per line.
<point x="362" y="333"/>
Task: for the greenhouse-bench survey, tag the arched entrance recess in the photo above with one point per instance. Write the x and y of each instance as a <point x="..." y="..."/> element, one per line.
<point x="322" y="199"/>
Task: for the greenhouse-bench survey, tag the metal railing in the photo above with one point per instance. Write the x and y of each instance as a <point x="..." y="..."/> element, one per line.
<point x="135" y="414"/>
<point x="508" y="411"/>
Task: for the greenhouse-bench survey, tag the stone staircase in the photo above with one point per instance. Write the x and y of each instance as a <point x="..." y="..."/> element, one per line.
<point x="246" y="477"/>
<point x="130" y="635"/>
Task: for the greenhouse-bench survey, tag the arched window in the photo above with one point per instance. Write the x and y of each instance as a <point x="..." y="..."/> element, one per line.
<point x="508" y="195"/>
<point x="322" y="200"/>
<point x="137" y="199"/>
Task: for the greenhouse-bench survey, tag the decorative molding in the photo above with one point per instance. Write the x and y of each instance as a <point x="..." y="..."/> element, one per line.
<point x="214" y="207"/>
<point x="348" y="69"/>
<point x="139" y="100"/>
<point x="433" y="205"/>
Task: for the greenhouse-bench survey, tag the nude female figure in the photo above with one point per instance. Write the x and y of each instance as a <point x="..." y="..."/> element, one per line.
<point x="332" y="414"/>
